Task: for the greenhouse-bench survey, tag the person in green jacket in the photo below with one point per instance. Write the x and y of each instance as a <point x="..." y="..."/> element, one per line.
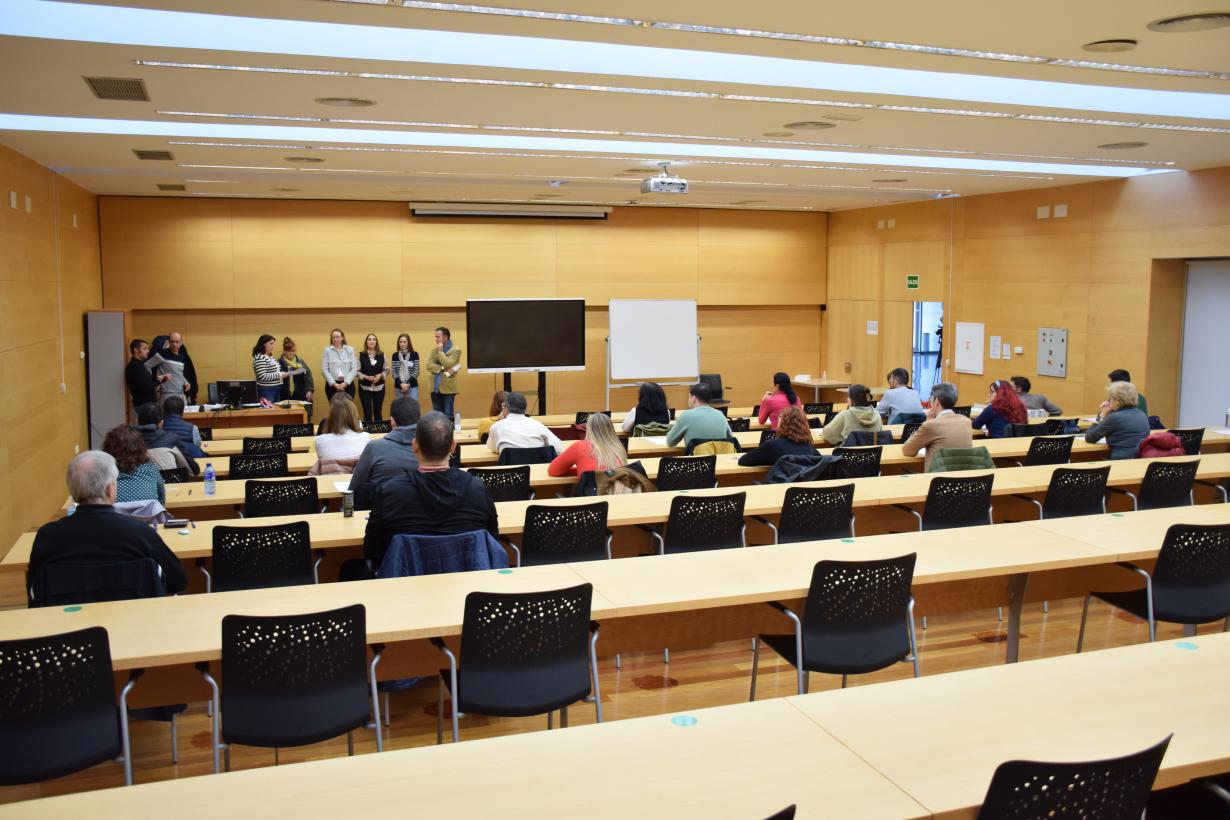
<point x="1124" y="376"/>
<point x="443" y="364"/>
<point x="699" y="421"/>
<point x="859" y="416"/>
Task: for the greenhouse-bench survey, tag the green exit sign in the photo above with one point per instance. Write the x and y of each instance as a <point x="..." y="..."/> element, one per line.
<point x="911" y="281"/>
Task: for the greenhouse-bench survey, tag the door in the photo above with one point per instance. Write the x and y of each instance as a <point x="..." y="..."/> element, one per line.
<point x="1204" y="388"/>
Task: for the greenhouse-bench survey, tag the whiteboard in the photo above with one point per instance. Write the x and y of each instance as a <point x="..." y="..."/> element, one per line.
<point x="968" y="358"/>
<point x="653" y="339"/>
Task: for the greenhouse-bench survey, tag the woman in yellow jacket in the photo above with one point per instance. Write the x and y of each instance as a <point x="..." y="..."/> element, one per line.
<point x="444" y="364"/>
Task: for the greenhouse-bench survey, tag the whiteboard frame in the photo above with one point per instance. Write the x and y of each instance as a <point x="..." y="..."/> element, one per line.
<point x="611" y="384"/>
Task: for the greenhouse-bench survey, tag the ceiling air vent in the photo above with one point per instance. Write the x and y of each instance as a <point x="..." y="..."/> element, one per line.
<point x="118" y="88"/>
<point x="170" y="187"/>
<point x="163" y="155"/>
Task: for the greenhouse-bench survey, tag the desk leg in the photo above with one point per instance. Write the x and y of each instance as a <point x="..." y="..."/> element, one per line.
<point x="1016" y="603"/>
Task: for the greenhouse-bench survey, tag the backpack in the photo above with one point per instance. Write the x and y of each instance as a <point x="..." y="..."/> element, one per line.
<point x="630" y="478"/>
<point x="1160" y="445"/>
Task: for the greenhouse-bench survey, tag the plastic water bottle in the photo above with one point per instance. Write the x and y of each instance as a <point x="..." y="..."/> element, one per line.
<point x="211" y="480"/>
<point x="457" y="422"/>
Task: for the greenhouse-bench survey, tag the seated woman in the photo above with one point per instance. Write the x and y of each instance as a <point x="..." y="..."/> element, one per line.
<point x="1004" y="407"/>
<point x="344" y="438"/>
<point x="793" y="439"/>
<point x="650" y="408"/>
<point x="778" y="399"/>
<point x="599" y="450"/>
<point x="1120" y="421"/>
<point x="497" y="412"/>
<point x="139" y="479"/>
<point x="859" y="416"/>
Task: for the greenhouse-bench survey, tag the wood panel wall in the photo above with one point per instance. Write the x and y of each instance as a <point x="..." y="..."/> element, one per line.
<point x="49" y="276"/>
<point x="1110" y="272"/>
<point x="225" y="271"/>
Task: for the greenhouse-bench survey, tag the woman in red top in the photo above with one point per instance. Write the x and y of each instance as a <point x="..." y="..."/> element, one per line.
<point x="599" y="450"/>
<point x="778" y="399"/>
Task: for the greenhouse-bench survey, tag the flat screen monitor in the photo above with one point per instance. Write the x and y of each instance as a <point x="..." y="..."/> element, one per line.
<point x="239" y="392"/>
<point x="504" y="335"/>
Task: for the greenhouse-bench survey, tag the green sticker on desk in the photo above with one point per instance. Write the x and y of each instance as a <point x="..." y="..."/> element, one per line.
<point x="1116" y="515"/>
<point x="505" y="572"/>
<point x="72" y="609"/>
<point x="684" y="720"/>
<point x="847" y="540"/>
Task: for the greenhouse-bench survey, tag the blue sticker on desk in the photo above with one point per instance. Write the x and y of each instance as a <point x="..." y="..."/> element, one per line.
<point x="1186" y="645"/>
<point x="1116" y="515"/>
<point x="847" y="540"/>
<point x="505" y="572"/>
<point x="72" y="609"/>
<point x="684" y="720"/>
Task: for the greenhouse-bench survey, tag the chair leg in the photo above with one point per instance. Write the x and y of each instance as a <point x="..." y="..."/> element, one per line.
<point x="806" y="682"/>
<point x="1189" y="630"/>
<point x="388" y="714"/>
<point x="215" y="709"/>
<point x="349" y="744"/>
<point x="563" y="717"/>
<point x="844" y="679"/>
<point x="909" y="621"/>
<point x="1046" y="607"/>
<point x="999" y="614"/>
<point x="174" y="738"/>
<point x="1080" y="636"/>
<point x="550" y="721"/>
<point x="619" y="662"/>
<point x="924" y="623"/>
<point x="666" y="656"/>
<point x="593" y="671"/>
<point x="227" y="756"/>
<point x="439" y="711"/>
<point x="751" y="696"/>
<point x="125" y="740"/>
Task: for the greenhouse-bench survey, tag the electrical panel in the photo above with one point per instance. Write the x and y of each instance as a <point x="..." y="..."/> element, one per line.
<point x="1053" y="352"/>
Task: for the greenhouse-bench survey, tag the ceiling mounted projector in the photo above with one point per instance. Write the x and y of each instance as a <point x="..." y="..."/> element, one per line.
<point x="664" y="183"/>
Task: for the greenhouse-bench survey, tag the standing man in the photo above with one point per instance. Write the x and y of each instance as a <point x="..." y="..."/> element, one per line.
<point x="141" y="383"/>
<point x="172" y="368"/>
<point x="444" y="363"/>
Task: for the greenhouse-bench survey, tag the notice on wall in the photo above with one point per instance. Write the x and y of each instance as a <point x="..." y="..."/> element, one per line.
<point x="873" y="328"/>
<point x="995" y="347"/>
<point x="969" y="347"/>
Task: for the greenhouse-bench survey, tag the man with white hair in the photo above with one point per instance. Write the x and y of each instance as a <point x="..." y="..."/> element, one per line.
<point x="96" y="533"/>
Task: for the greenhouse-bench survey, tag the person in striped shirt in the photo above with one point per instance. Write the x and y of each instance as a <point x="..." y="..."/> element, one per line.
<point x="269" y="375"/>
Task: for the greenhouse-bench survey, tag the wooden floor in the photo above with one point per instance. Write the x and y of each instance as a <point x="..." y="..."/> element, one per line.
<point x="644" y="686"/>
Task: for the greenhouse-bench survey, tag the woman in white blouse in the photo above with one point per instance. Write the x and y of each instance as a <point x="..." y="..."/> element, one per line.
<point x="269" y="375"/>
<point x="339" y="366"/>
<point x="344" y="437"/>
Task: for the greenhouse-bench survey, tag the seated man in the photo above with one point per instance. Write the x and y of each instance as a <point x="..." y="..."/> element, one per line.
<point x="900" y="399"/>
<point x="943" y="428"/>
<point x="384" y="458"/>
<point x="699" y="421"/>
<point x="185" y="432"/>
<point x="149" y="425"/>
<point x="96" y="533"/>
<point x="1124" y="376"/>
<point x="1033" y="401"/>
<point x="519" y="430"/>
<point x="429" y="499"/>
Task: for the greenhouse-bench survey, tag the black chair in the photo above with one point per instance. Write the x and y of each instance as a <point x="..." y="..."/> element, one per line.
<point x="524" y="654"/>
<point x="691" y="444"/>
<point x="670" y="411"/>
<point x="207" y="433"/>
<point x="1166" y="484"/>
<point x="1192" y="439"/>
<point x="756" y="410"/>
<point x="1045" y="450"/>
<point x="1073" y="491"/>
<point x="863" y="438"/>
<point x="176" y="475"/>
<point x="1023" y="430"/>
<point x="767" y="435"/>
<point x="505" y="483"/>
<point x="723" y="409"/>
<point x="785" y="814"/>
<point x="561" y="535"/>
<point x="260" y="557"/>
<point x="280" y="430"/>
<point x="955" y="502"/>
<point x="909" y="429"/>
<point x="851" y="623"/>
<point x="58" y="712"/>
<point x="686" y="472"/>
<point x="1056" y="427"/>
<point x="273" y="466"/>
<point x="703" y="522"/>
<point x="828" y="418"/>
<point x="526" y="455"/>
<point x="740" y="425"/>
<point x="61" y="583"/>
<point x="454" y="458"/>
<point x="265" y="446"/>
<point x="583" y="416"/>
<point x="860" y="462"/>
<point x="296" y="496"/>
<point x="291" y="680"/>
<point x="817" y="408"/>
<point x="814" y="514"/>
<point x="1115" y="789"/>
<point x="377" y="427"/>
<point x="964" y="410"/>
<point x="1190" y="584"/>
<point x="814" y="423"/>
<point x="716" y="395"/>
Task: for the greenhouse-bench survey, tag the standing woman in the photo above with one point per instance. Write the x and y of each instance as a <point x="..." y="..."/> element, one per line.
<point x="778" y="399"/>
<point x="371" y="378"/>
<point x="339" y="366"/>
<point x="1004" y="407"/>
<point x="300" y="386"/>
<point x="405" y="367"/>
<point x="269" y="376"/>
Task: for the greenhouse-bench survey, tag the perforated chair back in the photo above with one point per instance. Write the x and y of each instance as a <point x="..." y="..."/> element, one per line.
<point x="860" y="462"/>
<point x="740" y="425"/>
<point x="909" y="429"/>
<point x="57" y="706"/>
<point x="377" y="427"/>
<point x="767" y="435"/>
<point x="958" y="502"/>
<point x="705" y="522"/>
<point x="259" y="557"/>
<point x="863" y="438"/>
<point x="1023" y="430"/>
<point x="454" y="458"/>
<point x="1191" y="581"/>
<point x="559" y="535"/>
<point x="61" y="583"/>
<point x="686" y="472"/>
<point x="1192" y="438"/>
<point x="815" y="513"/>
<point x="265" y="446"/>
<point x="1056" y="427"/>
<point x="963" y="410"/>
<point x="582" y="417"/>
<point x="505" y="483"/>
<point x="207" y="433"/>
<point x="828" y="418"/>
<point x="1045" y="450"/>
<point x="524" y="654"/>
<point x="273" y="466"/>
<point x="1115" y="789"/>
<point x="1074" y="491"/>
<point x="527" y="455"/>
<point x="176" y="475"/>
<point x="291" y="680"/>
<point x="294" y="497"/>
<point x="816" y="408"/>
<point x="1167" y="484"/>
<point x="293" y="430"/>
<point x="814" y="423"/>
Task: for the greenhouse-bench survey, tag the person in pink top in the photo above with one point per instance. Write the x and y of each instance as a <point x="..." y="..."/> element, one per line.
<point x="778" y="399"/>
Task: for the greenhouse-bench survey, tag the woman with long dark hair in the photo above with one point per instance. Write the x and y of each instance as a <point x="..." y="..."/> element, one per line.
<point x="139" y="478"/>
<point x="405" y="367"/>
<point x="650" y="408"/>
<point x="269" y="374"/>
<point x="778" y="399"/>
<point x="371" y="377"/>
<point x="1004" y="407"/>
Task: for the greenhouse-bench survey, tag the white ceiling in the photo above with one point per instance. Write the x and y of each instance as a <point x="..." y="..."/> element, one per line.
<point x="44" y="77"/>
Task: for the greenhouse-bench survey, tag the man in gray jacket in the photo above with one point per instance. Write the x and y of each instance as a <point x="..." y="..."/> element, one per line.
<point x="1033" y="401"/>
<point x="386" y="457"/>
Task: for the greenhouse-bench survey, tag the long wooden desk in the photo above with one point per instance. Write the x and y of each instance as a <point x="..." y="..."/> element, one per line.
<point x="299" y="444"/>
<point x="247" y="417"/>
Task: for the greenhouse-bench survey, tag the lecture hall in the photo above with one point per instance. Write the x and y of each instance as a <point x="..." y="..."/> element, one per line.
<point x="575" y="409"/>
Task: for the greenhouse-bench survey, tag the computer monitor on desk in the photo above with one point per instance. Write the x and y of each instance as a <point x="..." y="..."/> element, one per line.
<point x="238" y="393"/>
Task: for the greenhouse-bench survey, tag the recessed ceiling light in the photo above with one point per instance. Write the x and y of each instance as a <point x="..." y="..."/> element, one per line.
<point x="1117" y="146"/>
<point x="286" y="190"/>
<point x="345" y="102"/>
<point x="809" y="125"/>
<point x="888" y="180"/>
<point x="303" y="159"/>
<point x="1191" y="22"/>
<point x="1110" y="46"/>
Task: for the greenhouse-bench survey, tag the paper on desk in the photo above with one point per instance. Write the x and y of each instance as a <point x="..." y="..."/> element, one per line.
<point x="192" y="408"/>
<point x="1225" y="431"/>
<point x="658" y="440"/>
<point x="1090" y="419"/>
<point x="341" y="486"/>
